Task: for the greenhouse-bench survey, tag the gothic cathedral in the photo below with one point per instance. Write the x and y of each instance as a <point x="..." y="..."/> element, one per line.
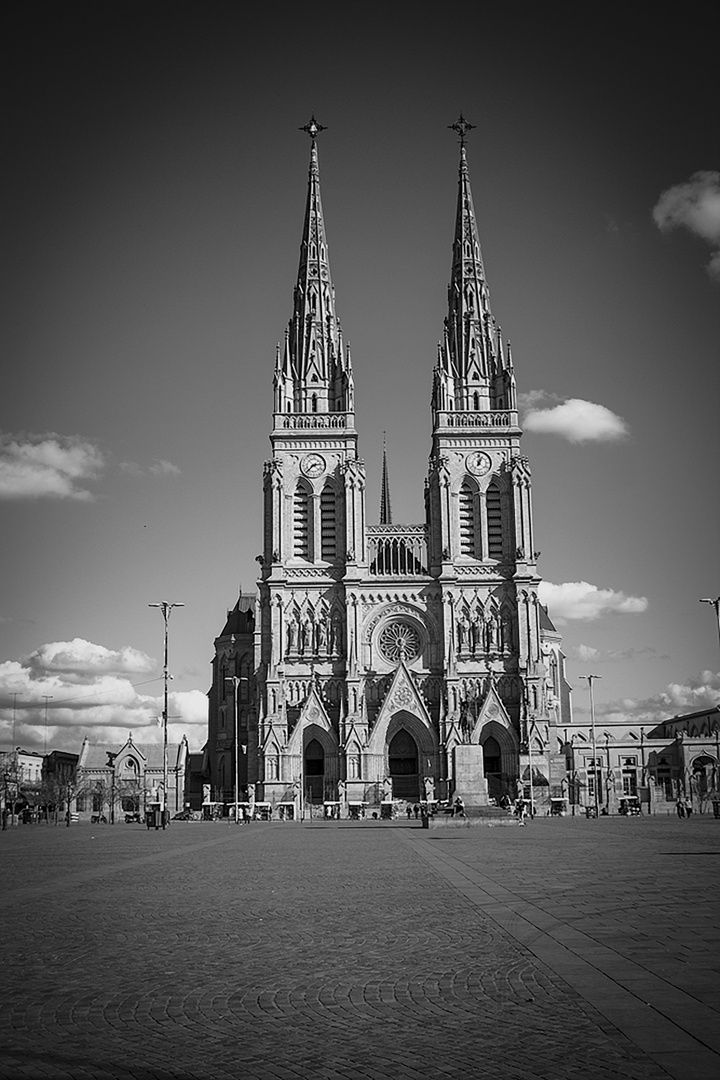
<point x="390" y="662"/>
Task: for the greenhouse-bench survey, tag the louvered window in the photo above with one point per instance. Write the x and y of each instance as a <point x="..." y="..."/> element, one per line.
<point x="466" y="508"/>
<point x="328" y="524"/>
<point x="301" y="524"/>
<point x="494" y="522"/>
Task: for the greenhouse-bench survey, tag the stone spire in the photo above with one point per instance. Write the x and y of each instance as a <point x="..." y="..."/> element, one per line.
<point x="473" y="373"/>
<point x="385" y="507"/>
<point x="313" y="372"/>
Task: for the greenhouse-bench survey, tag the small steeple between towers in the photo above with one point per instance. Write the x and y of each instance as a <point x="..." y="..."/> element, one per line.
<point x="385" y="507"/>
<point x="474" y="372"/>
<point x="313" y="371"/>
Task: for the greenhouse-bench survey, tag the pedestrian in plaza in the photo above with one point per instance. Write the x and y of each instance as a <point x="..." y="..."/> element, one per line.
<point x="688" y="808"/>
<point x="416" y="810"/>
<point x="680" y="807"/>
<point x="408" y="811"/>
<point x="459" y="807"/>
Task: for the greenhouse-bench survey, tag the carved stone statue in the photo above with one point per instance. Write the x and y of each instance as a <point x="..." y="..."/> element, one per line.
<point x="461" y="634"/>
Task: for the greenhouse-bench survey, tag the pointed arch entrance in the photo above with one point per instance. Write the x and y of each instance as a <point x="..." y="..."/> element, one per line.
<point x="404" y="766"/>
<point x="314" y="772"/>
<point x="492" y="767"/>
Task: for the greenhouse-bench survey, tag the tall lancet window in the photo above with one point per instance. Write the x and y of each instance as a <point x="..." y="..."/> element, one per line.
<point x="493" y="509"/>
<point x="466" y="510"/>
<point x="328" y="524"/>
<point x="301" y="523"/>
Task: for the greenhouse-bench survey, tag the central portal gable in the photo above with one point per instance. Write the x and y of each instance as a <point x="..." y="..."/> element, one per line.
<point x="404" y="698"/>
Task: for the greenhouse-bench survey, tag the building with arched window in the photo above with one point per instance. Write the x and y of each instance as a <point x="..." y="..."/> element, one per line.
<point x="118" y="781"/>
<point x="391" y="660"/>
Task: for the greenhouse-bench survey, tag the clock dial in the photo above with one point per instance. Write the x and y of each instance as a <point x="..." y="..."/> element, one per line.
<point x="313" y="465"/>
<point x="478" y="463"/>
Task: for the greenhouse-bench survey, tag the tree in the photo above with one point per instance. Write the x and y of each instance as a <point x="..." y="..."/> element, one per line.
<point x="10" y="776"/>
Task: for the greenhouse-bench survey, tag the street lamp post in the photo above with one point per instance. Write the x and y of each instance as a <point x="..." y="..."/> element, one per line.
<point x="236" y="680"/>
<point x="165" y="609"/>
<point x="592" y="737"/>
<point x="530" y="726"/>
<point x="48" y="697"/>
<point x="716" y="605"/>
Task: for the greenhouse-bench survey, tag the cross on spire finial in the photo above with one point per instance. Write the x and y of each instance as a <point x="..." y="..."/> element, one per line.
<point x="313" y="128"/>
<point x="462" y="126"/>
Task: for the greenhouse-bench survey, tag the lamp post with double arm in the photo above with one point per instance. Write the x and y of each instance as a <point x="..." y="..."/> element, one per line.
<point x="166" y="610"/>
<point x="236" y="680"/>
<point x="590" y="679"/>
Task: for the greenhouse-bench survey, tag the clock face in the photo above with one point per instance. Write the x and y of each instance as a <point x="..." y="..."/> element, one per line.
<point x="313" y="465"/>
<point x="478" y="463"/>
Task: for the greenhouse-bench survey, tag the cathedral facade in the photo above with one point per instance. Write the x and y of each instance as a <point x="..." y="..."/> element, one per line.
<point x="390" y="661"/>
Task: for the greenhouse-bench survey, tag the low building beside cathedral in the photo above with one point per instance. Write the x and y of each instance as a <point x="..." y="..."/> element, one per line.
<point x="391" y="661"/>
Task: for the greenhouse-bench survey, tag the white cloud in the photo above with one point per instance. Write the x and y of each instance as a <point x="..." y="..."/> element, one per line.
<point x="47" y="466"/>
<point x="694" y="205"/>
<point x="574" y="600"/>
<point x="188" y="707"/>
<point x="702" y="691"/>
<point x="84" y="688"/>
<point x="82" y="657"/>
<point x="588" y="654"/>
<point x="160" y="467"/>
<point x="577" y="421"/>
<point x="531" y="399"/>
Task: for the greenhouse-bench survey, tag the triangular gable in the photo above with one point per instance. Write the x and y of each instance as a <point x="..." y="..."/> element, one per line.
<point x="403" y="696"/>
<point x="271" y="744"/>
<point x="352" y="737"/>
<point x="492" y="711"/>
<point x="130" y="748"/>
<point x="313" y="713"/>
<point x="453" y="735"/>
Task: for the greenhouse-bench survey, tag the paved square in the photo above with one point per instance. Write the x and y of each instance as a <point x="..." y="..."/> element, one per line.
<point x="567" y="949"/>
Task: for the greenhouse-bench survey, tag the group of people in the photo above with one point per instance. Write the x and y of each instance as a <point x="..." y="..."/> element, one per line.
<point x="456" y="809"/>
<point x="684" y="808"/>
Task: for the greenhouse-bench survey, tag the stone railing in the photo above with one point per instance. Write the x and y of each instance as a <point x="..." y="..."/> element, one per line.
<point x="335" y="421"/>
<point x="477" y="419"/>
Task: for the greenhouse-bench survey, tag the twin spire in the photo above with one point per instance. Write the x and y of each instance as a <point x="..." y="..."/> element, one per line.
<point x="313" y="372"/>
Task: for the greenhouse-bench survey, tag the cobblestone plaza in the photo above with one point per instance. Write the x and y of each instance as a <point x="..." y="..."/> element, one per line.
<point x="566" y="949"/>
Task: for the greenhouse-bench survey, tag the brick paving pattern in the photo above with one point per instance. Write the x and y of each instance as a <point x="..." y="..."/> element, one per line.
<point x="366" y="950"/>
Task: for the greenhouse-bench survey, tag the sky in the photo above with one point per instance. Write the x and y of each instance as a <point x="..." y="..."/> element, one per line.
<point x="153" y="197"/>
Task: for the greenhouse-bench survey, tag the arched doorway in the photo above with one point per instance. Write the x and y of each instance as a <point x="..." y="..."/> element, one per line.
<point x="403" y="765"/>
<point x="314" y="770"/>
<point x="703" y="773"/>
<point x="492" y="767"/>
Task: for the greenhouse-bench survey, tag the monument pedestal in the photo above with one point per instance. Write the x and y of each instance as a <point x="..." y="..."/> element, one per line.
<point x="470" y="782"/>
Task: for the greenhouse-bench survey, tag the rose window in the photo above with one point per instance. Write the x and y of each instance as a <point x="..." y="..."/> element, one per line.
<point x="398" y="641"/>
